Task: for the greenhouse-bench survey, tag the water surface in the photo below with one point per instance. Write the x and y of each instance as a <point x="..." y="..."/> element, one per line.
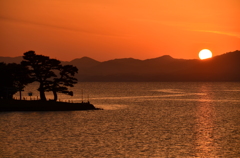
<point x="139" y="120"/>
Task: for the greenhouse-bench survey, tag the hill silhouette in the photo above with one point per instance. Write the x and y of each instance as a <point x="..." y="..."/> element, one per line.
<point x="225" y="67"/>
<point x="8" y="60"/>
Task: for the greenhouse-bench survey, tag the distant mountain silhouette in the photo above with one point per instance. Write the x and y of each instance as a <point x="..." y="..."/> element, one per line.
<point x="83" y="62"/>
<point x="11" y="59"/>
<point x="225" y="67"/>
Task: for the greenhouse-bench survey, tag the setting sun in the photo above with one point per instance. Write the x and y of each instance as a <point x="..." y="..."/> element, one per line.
<point x="205" y="54"/>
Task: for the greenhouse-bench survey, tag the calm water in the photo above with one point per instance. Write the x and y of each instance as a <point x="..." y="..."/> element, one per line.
<point x="139" y="120"/>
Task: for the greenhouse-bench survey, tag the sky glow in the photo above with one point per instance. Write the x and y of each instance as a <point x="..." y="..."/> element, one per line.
<point x="103" y="29"/>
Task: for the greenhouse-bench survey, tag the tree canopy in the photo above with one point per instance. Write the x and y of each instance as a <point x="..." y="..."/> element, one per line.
<point x="65" y="79"/>
<point x="14" y="77"/>
<point x="50" y="74"/>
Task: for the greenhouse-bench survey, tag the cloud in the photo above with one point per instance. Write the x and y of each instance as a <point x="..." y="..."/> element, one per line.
<point x="220" y="32"/>
<point x="66" y="28"/>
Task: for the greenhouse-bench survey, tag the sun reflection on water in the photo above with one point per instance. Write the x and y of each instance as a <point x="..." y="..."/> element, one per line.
<point x="205" y="145"/>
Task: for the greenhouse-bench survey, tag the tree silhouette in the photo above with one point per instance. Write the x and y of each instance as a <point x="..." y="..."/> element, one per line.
<point x="41" y="70"/>
<point x="65" y="79"/>
<point x="14" y="77"/>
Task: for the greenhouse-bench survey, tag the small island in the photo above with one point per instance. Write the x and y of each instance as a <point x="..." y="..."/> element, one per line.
<point x="51" y="75"/>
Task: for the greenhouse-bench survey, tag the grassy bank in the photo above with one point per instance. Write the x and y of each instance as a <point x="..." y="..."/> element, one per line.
<point x="37" y="105"/>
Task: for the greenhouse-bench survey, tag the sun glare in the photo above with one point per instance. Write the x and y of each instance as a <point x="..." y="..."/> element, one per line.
<point x="205" y="54"/>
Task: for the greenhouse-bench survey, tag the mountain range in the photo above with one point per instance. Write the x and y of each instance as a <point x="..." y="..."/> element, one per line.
<point x="225" y="67"/>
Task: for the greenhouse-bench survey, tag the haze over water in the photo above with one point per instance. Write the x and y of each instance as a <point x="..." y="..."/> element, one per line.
<point x="140" y="120"/>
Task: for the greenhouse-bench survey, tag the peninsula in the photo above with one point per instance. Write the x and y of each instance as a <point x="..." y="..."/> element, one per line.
<point x="38" y="105"/>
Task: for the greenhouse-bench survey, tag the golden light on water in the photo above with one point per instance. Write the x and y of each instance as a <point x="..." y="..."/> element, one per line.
<point x="205" y="143"/>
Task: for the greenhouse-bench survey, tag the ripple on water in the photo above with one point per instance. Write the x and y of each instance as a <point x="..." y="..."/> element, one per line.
<point x="176" y="126"/>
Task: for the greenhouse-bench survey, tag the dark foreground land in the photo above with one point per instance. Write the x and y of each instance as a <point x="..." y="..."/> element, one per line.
<point x="37" y="105"/>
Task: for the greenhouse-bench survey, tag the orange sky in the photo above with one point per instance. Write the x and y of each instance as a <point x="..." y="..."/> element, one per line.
<point x="108" y="29"/>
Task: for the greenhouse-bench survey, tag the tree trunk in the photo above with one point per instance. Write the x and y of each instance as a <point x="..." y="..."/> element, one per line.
<point x="55" y="95"/>
<point x="20" y="93"/>
<point x="42" y="94"/>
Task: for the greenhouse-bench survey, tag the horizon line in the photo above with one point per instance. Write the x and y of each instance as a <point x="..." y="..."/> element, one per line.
<point x="121" y="58"/>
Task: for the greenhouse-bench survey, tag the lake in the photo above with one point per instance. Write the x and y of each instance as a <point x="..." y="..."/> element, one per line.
<point x="140" y="119"/>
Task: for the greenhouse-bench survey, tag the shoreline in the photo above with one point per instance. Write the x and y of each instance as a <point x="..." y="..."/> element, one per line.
<point x="38" y="105"/>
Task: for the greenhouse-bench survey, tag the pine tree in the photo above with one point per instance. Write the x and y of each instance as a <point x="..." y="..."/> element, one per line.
<point x="64" y="80"/>
<point x="44" y="70"/>
<point x="41" y="70"/>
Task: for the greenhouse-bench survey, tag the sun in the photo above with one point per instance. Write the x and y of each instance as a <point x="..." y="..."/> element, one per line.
<point x="205" y="54"/>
